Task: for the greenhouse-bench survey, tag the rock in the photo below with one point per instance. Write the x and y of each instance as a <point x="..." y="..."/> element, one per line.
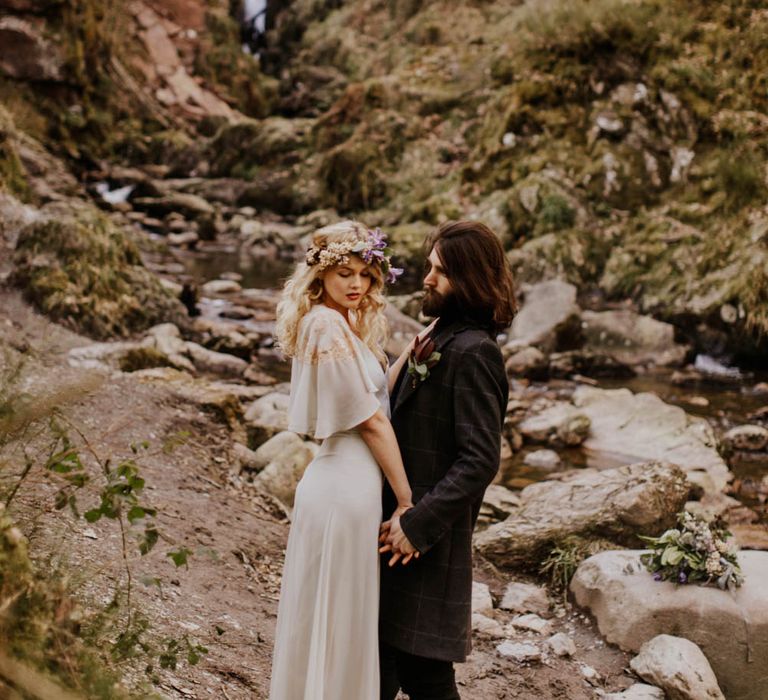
<point x="631" y="608"/>
<point x="527" y="362"/>
<point x="631" y="427"/>
<point x="246" y="458"/>
<point x="547" y="460"/>
<point x="166" y="338"/>
<point x="216" y="362"/>
<point x="616" y="504"/>
<point x="104" y="356"/>
<point x="189" y="205"/>
<point x="747" y="437"/>
<point x="83" y="271"/>
<point x="678" y="667"/>
<point x="525" y="598"/>
<point x="220" y="287"/>
<point x="500" y="501"/>
<point x="25" y="54"/>
<point x="519" y="651"/>
<point x="631" y="338"/>
<point x="290" y="456"/>
<point x="532" y="623"/>
<point x="560" y="423"/>
<point x="266" y="417"/>
<point x="223" y="405"/>
<point x="486" y="626"/>
<point x="482" y="602"/>
<point x="638" y="691"/>
<point x="548" y="319"/>
<point x="402" y="328"/>
<point x="244" y="392"/>
<point x="587" y="363"/>
<point x="561" y="644"/>
<point x="185" y="239"/>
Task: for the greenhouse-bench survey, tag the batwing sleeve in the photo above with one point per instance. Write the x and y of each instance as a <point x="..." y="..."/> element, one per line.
<point x="331" y="389"/>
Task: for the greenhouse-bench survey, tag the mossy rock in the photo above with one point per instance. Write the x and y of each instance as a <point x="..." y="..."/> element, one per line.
<point x="139" y="358"/>
<point x="83" y="271"/>
<point x="355" y="173"/>
<point x="13" y="176"/>
<point x="241" y="147"/>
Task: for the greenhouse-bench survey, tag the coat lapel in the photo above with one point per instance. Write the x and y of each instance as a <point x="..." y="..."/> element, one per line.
<point x="406" y="384"/>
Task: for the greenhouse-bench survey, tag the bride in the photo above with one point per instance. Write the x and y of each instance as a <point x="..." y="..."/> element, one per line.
<point x="330" y="321"/>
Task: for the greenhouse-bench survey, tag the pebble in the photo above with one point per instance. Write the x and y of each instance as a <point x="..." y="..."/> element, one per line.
<point x="519" y="651"/>
<point x="531" y="622"/>
<point x="561" y="644"/>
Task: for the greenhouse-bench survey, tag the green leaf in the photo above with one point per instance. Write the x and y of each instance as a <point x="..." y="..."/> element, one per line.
<point x="135" y="513"/>
<point x="149" y="540"/>
<point x="93" y="515"/>
<point x="180" y="556"/>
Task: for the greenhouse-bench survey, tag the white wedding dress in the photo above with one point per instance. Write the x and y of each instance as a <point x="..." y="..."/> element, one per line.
<point x="326" y="645"/>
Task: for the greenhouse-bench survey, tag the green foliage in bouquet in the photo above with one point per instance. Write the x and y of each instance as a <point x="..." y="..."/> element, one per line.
<point x="694" y="552"/>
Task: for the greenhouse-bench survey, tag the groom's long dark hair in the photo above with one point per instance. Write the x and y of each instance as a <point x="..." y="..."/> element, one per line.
<point x="481" y="281"/>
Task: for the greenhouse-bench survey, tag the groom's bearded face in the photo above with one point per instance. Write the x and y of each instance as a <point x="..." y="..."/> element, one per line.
<point x="439" y="299"/>
<point x="435" y="304"/>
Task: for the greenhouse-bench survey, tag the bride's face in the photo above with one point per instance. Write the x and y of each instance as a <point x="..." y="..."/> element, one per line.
<point x="344" y="286"/>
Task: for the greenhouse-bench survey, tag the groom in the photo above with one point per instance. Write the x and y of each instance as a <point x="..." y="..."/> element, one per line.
<point x="447" y="414"/>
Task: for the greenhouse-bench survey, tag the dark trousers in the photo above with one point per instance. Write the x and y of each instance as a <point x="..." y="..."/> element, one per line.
<point x="419" y="677"/>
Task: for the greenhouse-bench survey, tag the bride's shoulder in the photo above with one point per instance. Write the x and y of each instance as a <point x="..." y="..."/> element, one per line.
<point x="323" y="322"/>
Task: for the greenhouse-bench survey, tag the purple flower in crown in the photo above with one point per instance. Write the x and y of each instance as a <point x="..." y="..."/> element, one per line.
<point x="393" y="273"/>
<point x="377" y="239"/>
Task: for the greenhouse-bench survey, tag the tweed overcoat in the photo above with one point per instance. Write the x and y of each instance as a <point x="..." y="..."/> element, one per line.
<point x="448" y="428"/>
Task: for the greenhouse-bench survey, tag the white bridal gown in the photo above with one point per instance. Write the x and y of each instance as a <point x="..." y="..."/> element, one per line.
<point x="326" y="645"/>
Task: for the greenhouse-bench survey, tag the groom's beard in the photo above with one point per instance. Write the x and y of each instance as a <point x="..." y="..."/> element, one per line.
<point x="435" y="304"/>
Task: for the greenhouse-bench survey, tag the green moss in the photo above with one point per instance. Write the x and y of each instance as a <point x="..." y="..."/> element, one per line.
<point x="556" y="213"/>
<point x="13" y="177"/>
<point x="222" y="62"/>
<point x="143" y="358"/>
<point x="83" y="271"/>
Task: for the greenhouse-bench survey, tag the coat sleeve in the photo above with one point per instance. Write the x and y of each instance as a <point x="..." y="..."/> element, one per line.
<point x="331" y="390"/>
<point x="479" y="401"/>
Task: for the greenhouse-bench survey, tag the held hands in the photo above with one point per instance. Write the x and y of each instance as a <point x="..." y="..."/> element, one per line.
<point x="393" y="539"/>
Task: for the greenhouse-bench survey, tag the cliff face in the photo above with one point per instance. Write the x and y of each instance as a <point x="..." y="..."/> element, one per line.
<point x="93" y="79"/>
<point x="619" y="143"/>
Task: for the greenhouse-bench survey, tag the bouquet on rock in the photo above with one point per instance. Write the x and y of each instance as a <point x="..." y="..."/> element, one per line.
<point x="694" y="552"/>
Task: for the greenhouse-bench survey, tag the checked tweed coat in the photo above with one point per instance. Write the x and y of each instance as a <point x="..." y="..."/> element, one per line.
<point x="449" y="431"/>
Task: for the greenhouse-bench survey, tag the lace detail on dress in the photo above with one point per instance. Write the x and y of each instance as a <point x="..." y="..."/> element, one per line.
<point x="325" y="340"/>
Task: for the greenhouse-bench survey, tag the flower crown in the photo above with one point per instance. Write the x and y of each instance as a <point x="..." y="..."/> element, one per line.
<point x="372" y="250"/>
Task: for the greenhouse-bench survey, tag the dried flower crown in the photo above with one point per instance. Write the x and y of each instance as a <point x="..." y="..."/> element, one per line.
<point x="371" y="250"/>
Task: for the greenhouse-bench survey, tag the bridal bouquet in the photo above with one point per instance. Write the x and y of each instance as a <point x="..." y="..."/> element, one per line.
<point x="694" y="552"/>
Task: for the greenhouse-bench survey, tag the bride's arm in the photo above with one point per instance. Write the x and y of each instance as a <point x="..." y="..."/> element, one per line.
<point x="378" y="434"/>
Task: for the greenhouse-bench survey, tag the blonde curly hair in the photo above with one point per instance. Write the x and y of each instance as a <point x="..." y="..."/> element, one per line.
<point x="304" y="289"/>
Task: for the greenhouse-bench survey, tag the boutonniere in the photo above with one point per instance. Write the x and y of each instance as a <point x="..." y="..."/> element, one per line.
<point x="421" y="359"/>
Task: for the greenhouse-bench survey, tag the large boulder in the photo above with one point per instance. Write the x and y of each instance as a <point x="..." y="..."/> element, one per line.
<point x="286" y="456"/>
<point x="677" y="666"/>
<point x="548" y="319"/>
<point x="631" y="338"/>
<point x="83" y="271"/>
<point x="627" y="427"/>
<point x="266" y="417"/>
<point x="558" y="424"/>
<point x="731" y="628"/>
<point x="615" y="504"/>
